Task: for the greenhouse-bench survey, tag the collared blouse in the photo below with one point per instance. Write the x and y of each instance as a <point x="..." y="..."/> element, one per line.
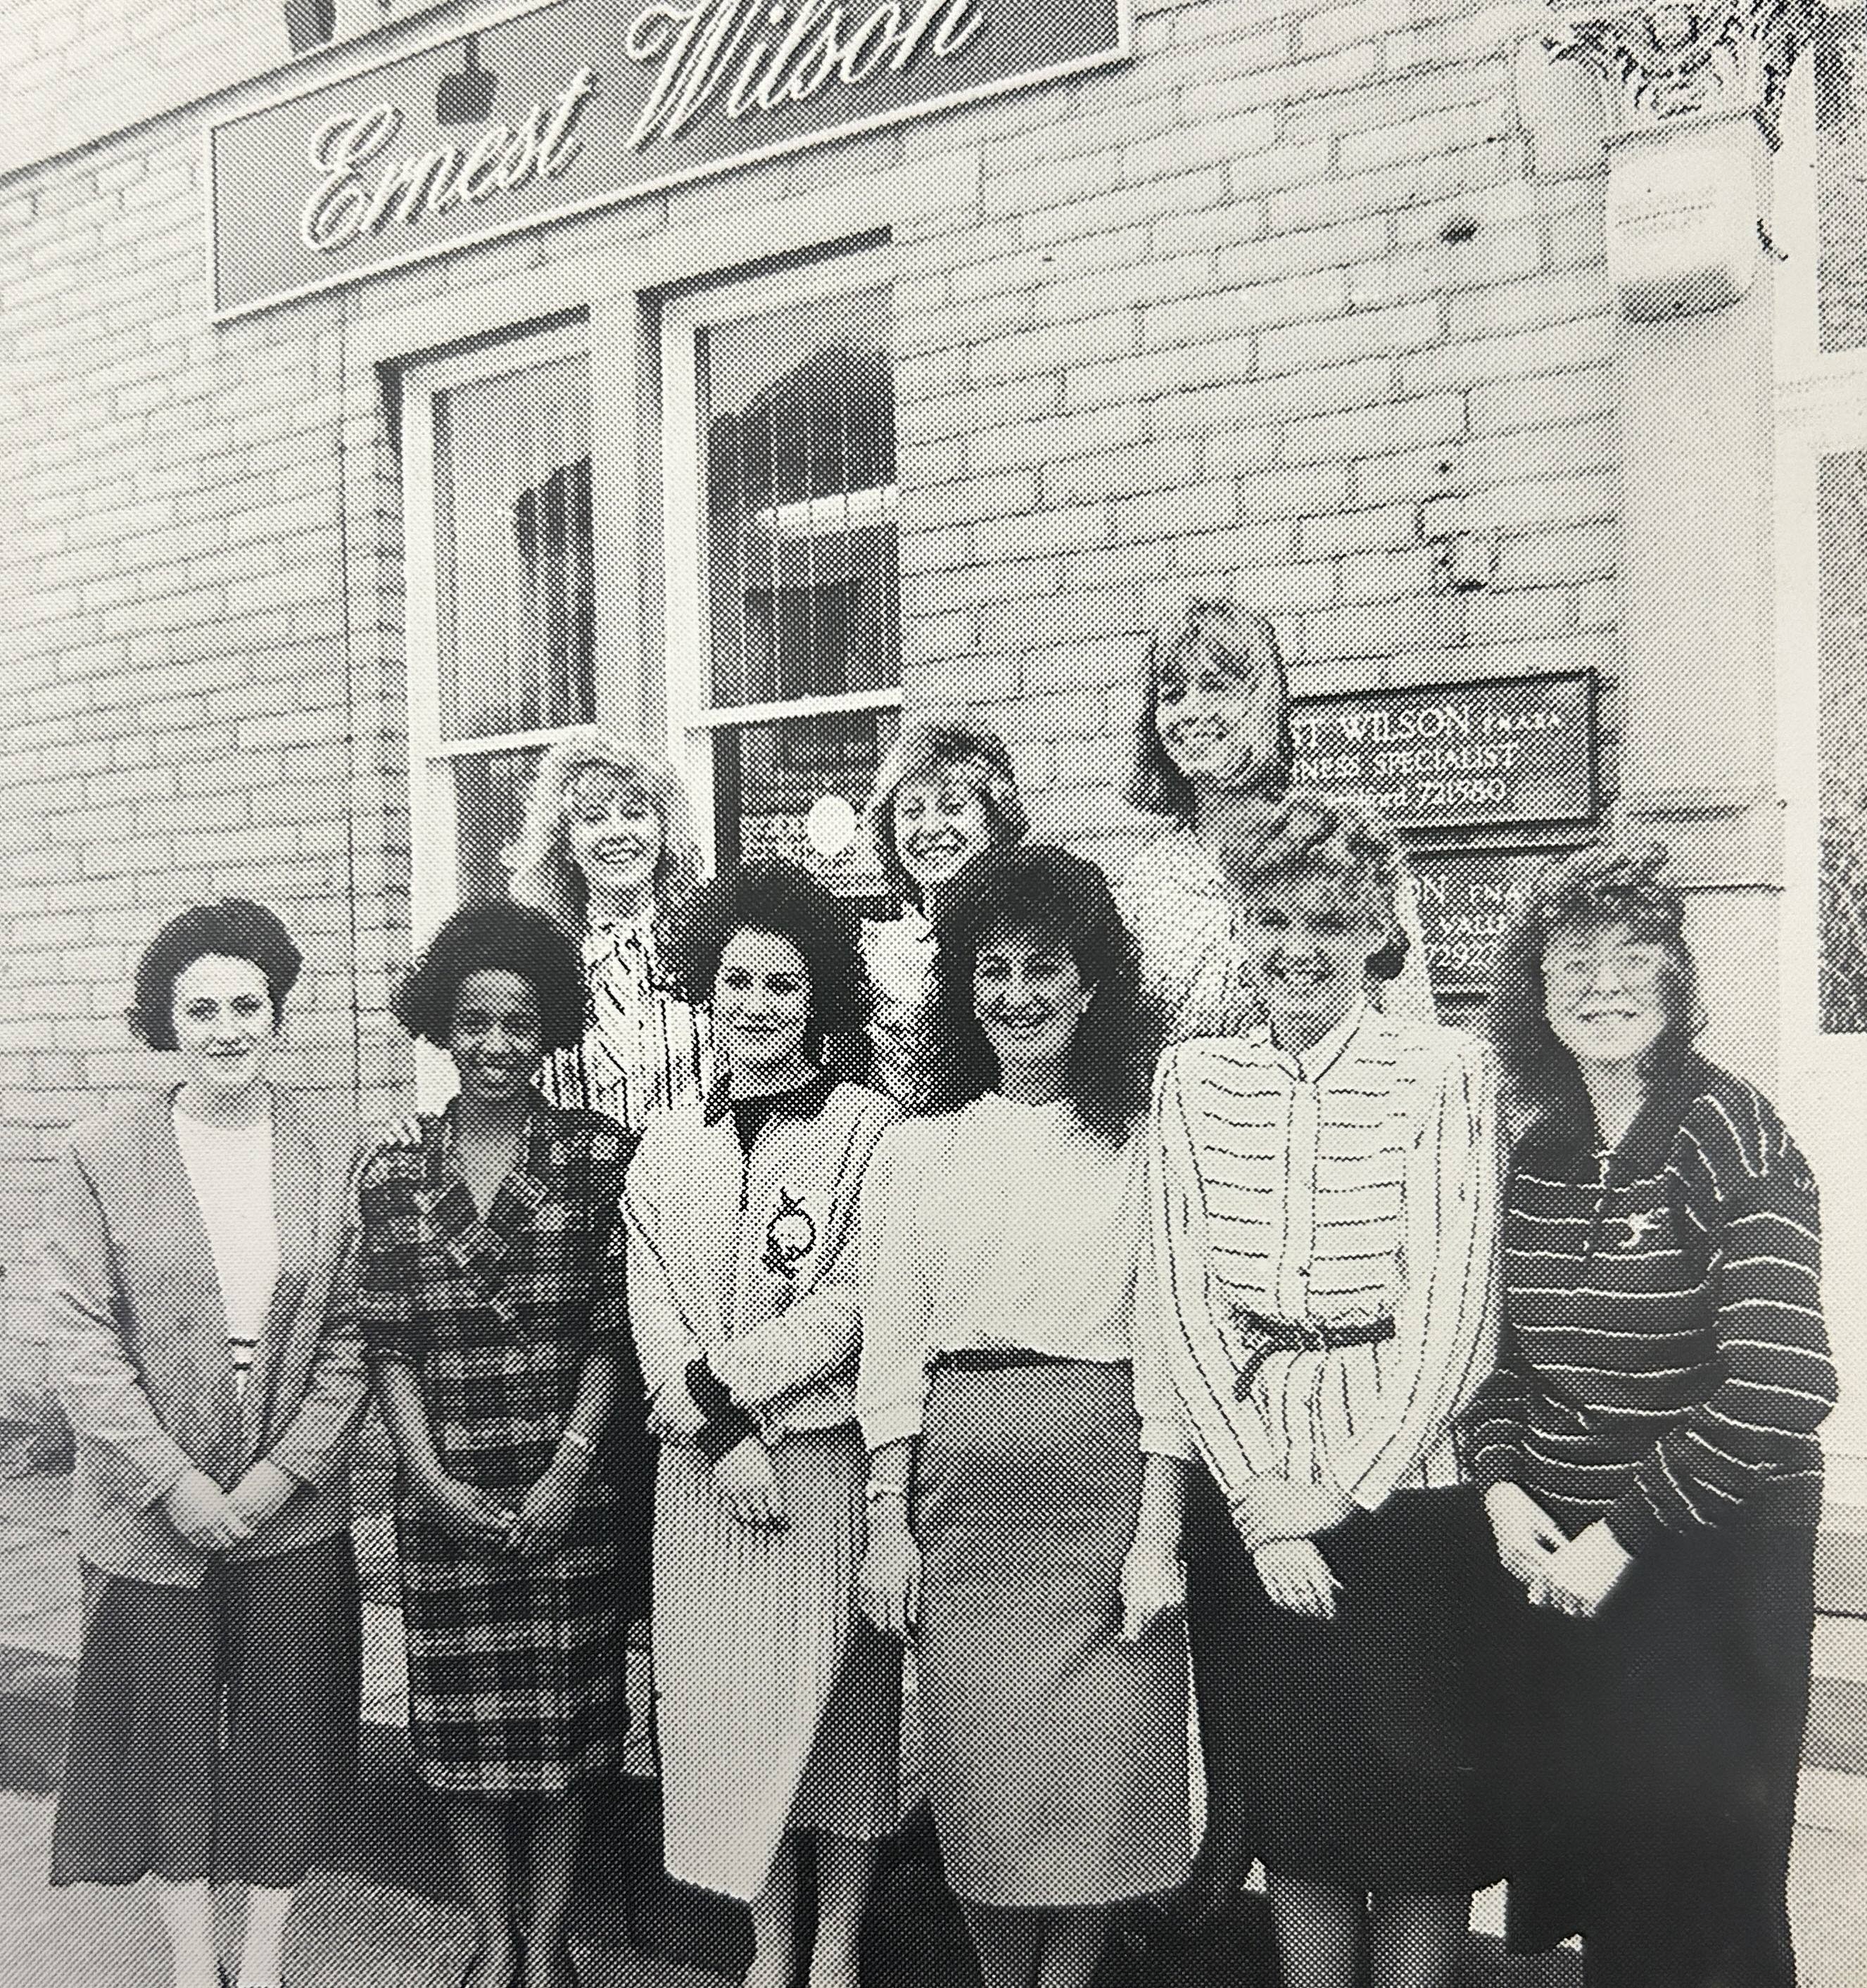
<point x="1175" y="902"/>
<point x="644" y="1046"/>
<point x="747" y="1257"/>
<point x="1351" y="1186"/>
<point x="499" y="1313"/>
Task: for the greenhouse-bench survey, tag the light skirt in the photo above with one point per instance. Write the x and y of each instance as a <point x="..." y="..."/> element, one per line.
<point x="779" y="1705"/>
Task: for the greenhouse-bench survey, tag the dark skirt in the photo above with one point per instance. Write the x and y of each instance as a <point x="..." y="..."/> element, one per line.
<point x="1652" y="1753"/>
<point x="214" y="1731"/>
<point x="1056" y="1752"/>
<point x="1364" y="1745"/>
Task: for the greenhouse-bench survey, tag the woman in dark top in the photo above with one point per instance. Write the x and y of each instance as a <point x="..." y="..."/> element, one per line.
<point x="1649" y="1445"/>
<point x="491" y="1302"/>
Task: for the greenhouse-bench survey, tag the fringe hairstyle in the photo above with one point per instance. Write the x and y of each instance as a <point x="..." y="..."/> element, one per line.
<point x="1309" y="834"/>
<point x="940" y="749"/>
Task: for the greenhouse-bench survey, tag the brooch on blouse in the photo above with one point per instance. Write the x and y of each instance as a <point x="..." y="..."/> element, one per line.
<point x="790" y="1235"/>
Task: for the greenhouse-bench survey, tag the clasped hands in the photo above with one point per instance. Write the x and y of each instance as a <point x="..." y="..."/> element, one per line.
<point x="1575" y="1576"/>
<point x="535" y="1526"/>
<point x="215" y="1519"/>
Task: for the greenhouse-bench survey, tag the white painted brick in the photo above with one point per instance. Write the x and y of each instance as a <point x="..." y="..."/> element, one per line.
<point x="1400" y="329"/>
<point x="1390" y="526"/>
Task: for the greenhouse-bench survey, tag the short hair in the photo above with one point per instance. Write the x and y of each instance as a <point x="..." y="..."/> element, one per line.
<point x="233" y="927"/>
<point x="1063" y="898"/>
<point x="1590" y="890"/>
<point x="932" y="748"/>
<point x="774" y="894"/>
<point x="543" y="873"/>
<point x="1244" y="644"/>
<point x="1307" y="834"/>
<point x="491" y="936"/>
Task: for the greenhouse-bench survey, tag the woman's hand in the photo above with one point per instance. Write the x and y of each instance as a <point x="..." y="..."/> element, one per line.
<point x="744" y="1477"/>
<point x="467" y="1512"/>
<point x="403" y="1132"/>
<point x="1528" y="1539"/>
<point x="204" y="1514"/>
<point x="1582" y="1576"/>
<point x="888" y="1581"/>
<point x="1296" y="1577"/>
<point x="262" y="1493"/>
<point x="546" y="1512"/>
<point x="1153" y="1587"/>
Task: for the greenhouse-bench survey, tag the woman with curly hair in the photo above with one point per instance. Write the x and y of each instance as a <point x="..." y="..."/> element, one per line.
<point x="945" y="790"/>
<point x="607" y="849"/>
<point x="1318" y="1306"/>
<point x="192" y="1239"/>
<point x="1010" y="1504"/>
<point x="780" y="1707"/>
<point x="1649" y="1446"/>
<point x="490" y="1295"/>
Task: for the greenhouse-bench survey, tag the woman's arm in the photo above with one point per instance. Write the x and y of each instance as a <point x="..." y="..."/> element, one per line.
<point x="895" y="1282"/>
<point x="888" y="1581"/>
<point x="665" y="1343"/>
<point x="545" y="1511"/>
<point x="464" y="1510"/>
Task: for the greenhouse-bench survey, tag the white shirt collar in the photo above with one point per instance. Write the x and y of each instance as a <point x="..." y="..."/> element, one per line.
<point x="1322" y="1054"/>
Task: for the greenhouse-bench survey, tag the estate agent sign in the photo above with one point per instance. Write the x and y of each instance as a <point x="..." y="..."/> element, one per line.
<point x="560" y="109"/>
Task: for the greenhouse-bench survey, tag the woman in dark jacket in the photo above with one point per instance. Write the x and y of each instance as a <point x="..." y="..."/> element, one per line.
<point x="490" y="1304"/>
<point x="1648" y="1445"/>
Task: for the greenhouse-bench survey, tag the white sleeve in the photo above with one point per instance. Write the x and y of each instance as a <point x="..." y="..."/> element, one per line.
<point x="896" y="1277"/>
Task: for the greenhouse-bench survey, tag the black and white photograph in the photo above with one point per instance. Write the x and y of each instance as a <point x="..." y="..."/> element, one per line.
<point x="933" y="994"/>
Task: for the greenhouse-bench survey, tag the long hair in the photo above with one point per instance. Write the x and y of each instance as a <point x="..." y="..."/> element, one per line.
<point x="1589" y="891"/>
<point x="775" y="895"/>
<point x="1061" y="899"/>
<point x="543" y="874"/>
<point x="1243" y="644"/>
<point x="936" y="748"/>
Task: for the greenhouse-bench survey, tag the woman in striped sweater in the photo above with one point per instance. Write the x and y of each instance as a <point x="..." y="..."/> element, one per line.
<point x="1649" y="1446"/>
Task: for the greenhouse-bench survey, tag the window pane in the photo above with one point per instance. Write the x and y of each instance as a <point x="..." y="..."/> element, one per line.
<point x="489" y="791"/>
<point x="1840" y="173"/>
<point x="516" y="597"/>
<point x="1843" y="565"/>
<point x="802" y="551"/>
<point x="767" y="778"/>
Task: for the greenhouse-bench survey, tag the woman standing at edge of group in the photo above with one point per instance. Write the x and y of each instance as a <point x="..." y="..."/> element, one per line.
<point x="1009" y="1494"/>
<point x="780" y="1705"/>
<point x="192" y="1239"/>
<point x="1214" y="752"/>
<point x="489" y="1293"/>
<point x="1648" y="1445"/>
<point x="1319" y="1306"/>
<point x="607" y="849"/>
<point x="946" y="791"/>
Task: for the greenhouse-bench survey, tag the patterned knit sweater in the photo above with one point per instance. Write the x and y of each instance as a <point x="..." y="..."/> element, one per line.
<point x="1664" y="1365"/>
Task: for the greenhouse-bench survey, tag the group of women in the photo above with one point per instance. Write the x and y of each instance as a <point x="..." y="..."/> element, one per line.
<point x="1065" y="1286"/>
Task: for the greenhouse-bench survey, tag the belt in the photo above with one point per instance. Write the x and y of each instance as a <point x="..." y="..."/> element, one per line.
<point x="1302" y="1335"/>
<point x="996" y="1359"/>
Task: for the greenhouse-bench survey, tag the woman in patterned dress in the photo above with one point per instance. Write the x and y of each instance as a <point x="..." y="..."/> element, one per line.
<point x="490" y="1299"/>
<point x="607" y="849"/>
<point x="1648" y="1445"/>
<point x="780" y="1708"/>
<point x="946" y="791"/>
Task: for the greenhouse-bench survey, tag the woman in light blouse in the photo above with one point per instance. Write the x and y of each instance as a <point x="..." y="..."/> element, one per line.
<point x="780" y="1707"/>
<point x="607" y="849"/>
<point x="946" y="791"/>
<point x="1008" y="1496"/>
<point x="1318" y="1307"/>
<point x="1649" y="1450"/>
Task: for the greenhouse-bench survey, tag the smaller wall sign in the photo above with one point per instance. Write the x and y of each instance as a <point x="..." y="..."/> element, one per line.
<point x="1521" y="750"/>
<point x="1465" y="897"/>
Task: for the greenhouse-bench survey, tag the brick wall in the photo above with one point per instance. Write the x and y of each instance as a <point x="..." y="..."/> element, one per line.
<point x="1283" y="307"/>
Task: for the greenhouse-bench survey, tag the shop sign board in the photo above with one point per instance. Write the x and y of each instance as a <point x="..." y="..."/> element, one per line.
<point x="1516" y="751"/>
<point x="555" y="110"/>
<point x="1465" y="897"/>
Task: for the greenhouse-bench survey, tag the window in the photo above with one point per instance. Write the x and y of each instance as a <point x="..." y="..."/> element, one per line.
<point x="502" y="597"/>
<point x="783" y="559"/>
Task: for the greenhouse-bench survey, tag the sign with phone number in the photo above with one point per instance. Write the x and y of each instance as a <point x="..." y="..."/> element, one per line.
<point x="1516" y="750"/>
<point x="1465" y="898"/>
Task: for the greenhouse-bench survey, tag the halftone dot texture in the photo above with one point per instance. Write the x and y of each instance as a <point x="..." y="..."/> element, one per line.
<point x="1056" y="1752"/>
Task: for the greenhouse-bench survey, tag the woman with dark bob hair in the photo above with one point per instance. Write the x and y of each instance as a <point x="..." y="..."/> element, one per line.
<point x="780" y="1707"/>
<point x="192" y="1239"/>
<point x="1010" y="1504"/>
<point x="490" y="1299"/>
<point x="1649" y="1446"/>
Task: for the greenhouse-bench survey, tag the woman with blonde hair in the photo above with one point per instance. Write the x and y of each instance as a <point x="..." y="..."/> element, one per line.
<point x="945" y="790"/>
<point x="607" y="849"/>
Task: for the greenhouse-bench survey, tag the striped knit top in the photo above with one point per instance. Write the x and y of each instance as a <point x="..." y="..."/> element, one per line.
<point x="1665" y="1365"/>
<point x="1318" y="1293"/>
